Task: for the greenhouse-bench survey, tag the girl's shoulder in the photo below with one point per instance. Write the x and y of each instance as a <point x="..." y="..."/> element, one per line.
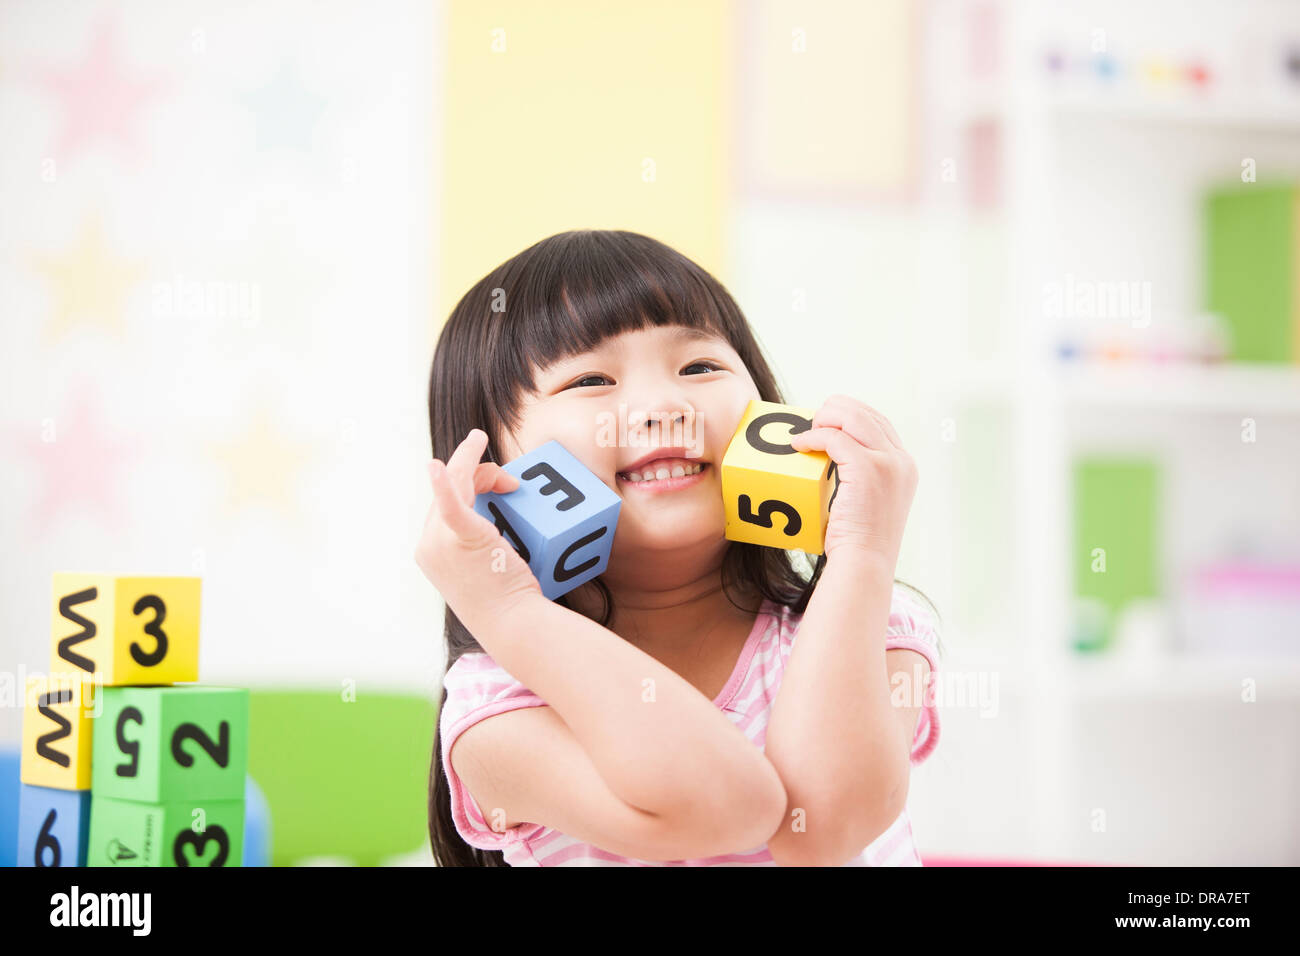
<point x="911" y="615"/>
<point x="475" y="680"/>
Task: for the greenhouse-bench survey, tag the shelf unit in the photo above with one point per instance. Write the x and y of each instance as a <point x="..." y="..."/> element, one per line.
<point x="1228" y="388"/>
<point x="1049" y="187"/>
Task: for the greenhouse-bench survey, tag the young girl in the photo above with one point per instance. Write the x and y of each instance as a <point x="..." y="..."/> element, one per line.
<point x="663" y="714"/>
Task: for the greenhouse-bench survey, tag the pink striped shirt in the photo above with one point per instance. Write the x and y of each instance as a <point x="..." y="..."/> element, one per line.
<point x="478" y="688"/>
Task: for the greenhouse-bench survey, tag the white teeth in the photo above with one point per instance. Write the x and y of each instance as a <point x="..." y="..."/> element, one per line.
<point x="662" y="471"/>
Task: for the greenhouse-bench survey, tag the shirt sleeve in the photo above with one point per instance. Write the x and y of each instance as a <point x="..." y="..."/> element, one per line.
<point x="477" y="687"/>
<point x="913" y="627"/>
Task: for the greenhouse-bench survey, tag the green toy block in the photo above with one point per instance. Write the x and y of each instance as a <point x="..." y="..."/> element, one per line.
<point x="193" y="833"/>
<point x="166" y="744"/>
<point x="1252" y="268"/>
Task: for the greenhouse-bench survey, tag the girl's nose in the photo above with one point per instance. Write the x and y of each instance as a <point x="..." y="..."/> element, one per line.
<point x="686" y="416"/>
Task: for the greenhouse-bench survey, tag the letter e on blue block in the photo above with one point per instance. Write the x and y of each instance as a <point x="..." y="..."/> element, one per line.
<point x="561" y="518"/>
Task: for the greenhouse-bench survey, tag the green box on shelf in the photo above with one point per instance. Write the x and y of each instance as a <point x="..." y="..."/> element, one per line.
<point x="1116" y="533"/>
<point x="176" y="743"/>
<point x="188" y="833"/>
<point x="1252" y="272"/>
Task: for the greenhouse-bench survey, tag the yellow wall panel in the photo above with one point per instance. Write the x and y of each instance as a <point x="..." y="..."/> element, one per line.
<point x="830" y="97"/>
<point x="550" y="111"/>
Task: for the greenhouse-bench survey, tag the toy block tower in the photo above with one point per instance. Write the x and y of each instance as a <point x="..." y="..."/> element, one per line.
<point x="127" y="761"/>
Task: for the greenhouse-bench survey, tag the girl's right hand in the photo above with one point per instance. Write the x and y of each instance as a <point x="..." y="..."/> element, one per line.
<point x="461" y="552"/>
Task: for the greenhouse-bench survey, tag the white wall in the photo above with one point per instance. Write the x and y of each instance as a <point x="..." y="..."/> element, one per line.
<point x="328" y="218"/>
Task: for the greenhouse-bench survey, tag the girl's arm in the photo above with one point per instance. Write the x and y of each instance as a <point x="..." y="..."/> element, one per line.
<point x="656" y="741"/>
<point x="841" y="747"/>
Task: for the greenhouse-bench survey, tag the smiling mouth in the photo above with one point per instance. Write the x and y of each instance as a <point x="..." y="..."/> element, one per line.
<point x="664" y="476"/>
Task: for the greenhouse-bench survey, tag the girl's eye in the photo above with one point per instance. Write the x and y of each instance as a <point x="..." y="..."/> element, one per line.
<point x="708" y="366"/>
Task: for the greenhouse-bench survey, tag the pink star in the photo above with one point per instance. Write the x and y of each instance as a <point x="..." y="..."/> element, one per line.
<point x="79" y="463"/>
<point x="100" y="99"/>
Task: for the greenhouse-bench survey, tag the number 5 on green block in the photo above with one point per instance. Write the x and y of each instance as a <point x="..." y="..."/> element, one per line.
<point x="161" y="745"/>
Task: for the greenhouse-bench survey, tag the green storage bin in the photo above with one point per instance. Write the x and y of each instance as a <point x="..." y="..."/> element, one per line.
<point x="1116" y="510"/>
<point x="343" y="779"/>
<point x="1251" y="269"/>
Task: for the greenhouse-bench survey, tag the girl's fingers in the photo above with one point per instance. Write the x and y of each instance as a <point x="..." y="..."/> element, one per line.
<point x="855" y="420"/>
<point x="492" y="477"/>
<point x="853" y="407"/>
<point x="888" y="429"/>
<point x="837" y="443"/>
<point x="462" y="464"/>
<point x="455" y="514"/>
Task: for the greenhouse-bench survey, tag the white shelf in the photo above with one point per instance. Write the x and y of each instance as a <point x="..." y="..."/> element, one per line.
<point x="1225" y="388"/>
<point x="1080" y="678"/>
<point x="1107" y="183"/>
<point x="986" y="101"/>
<point x="1184" y="676"/>
<point x="1183" y="111"/>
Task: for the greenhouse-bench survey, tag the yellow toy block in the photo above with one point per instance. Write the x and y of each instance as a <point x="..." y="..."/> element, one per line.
<point x="126" y="630"/>
<point x="775" y="495"/>
<point x="57" y="720"/>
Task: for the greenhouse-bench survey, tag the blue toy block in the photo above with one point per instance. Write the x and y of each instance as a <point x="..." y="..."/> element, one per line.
<point x="53" y="826"/>
<point x="10" y="787"/>
<point x="560" y="520"/>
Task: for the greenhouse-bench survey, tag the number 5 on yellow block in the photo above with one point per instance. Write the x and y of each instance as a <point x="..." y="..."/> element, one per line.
<point x="775" y="495"/>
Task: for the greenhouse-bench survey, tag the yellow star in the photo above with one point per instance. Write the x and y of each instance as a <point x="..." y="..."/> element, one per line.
<point x="265" y="465"/>
<point x="88" y="282"/>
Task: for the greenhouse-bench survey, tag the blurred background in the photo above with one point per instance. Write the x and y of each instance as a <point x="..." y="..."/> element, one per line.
<point x="1055" y="244"/>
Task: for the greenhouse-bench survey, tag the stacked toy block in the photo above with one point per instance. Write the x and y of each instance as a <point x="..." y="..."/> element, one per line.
<point x="126" y="761"/>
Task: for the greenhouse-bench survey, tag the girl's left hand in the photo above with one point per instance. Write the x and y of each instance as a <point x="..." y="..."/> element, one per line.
<point x="877" y="478"/>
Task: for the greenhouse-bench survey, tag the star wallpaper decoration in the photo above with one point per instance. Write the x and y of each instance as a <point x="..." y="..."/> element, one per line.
<point x="100" y="98"/>
<point x="83" y="461"/>
<point x="88" y="282"/>
<point x="264" y="465"/>
<point x="285" y="112"/>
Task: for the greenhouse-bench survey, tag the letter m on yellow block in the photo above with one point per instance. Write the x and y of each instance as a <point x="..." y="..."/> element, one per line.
<point x="57" y="720"/>
<point x="126" y="630"/>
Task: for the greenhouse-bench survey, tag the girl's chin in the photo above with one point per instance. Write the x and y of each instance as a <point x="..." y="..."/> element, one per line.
<point x="636" y="542"/>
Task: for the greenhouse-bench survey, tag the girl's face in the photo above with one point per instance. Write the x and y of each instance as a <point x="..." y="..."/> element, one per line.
<point x="669" y="396"/>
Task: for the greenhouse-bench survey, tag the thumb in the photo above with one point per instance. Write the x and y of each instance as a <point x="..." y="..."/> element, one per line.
<point x="492" y="477"/>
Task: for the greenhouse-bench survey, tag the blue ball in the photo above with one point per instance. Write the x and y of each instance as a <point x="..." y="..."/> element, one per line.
<point x="257" y="825"/>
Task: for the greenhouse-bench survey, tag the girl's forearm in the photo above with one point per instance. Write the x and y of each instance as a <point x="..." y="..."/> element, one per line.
<point x="657" y="741"/>
<point x="833" y="734"/>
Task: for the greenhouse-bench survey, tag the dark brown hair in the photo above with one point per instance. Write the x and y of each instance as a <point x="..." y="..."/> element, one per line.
<point x="560" y="297"/>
